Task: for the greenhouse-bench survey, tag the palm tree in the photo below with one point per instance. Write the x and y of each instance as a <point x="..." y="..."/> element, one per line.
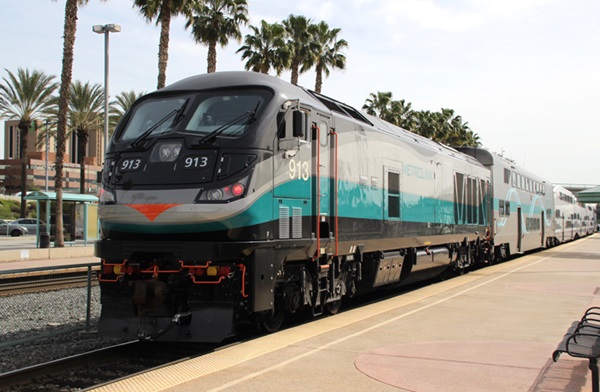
<point x="427" y="124"/>
<point x="163" y="11"/>
<point x="399" y="113"/>
<point x="24" y="97"/>
<point x="444" y="127"/>
<point x="120" y="105"/>
<point x="403" y="114"/>
<point x="70" y="28"/>
<point x="461" y="134"/>
<point x="326" y="52"/>
<point x="379" y="104"/>
<point x="47" y="128"/>
<point x="216" y="21"/>
<point x="86" y="113"/>
<point x="265" y="49"/>
<point x="299" y="43"/>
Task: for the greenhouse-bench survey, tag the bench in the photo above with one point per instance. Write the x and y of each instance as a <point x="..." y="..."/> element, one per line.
<point x="582" y="340"/>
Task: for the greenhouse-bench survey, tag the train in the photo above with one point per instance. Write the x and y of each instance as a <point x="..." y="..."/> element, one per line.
<point x="572" y="219"/>
<point x="235" y="197"/>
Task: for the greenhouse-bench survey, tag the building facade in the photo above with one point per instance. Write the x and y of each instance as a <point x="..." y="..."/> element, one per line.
<point x="41" y="158"/>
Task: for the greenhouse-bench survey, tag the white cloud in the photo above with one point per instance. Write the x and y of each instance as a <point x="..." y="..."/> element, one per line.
<point x="510" y="9"/>
<point x="430" y="14"/>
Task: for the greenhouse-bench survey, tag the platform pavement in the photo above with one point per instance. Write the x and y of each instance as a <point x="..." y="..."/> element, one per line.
<point x="21" y="252"/>
<point x="490" y="330"/>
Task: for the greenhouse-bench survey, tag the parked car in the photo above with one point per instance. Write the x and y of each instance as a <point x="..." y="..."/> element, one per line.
<point x="12" y="229"/>
<point x="31" y="224"/>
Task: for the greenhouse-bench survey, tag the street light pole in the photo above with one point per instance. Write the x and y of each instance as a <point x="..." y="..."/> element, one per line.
<point x="106" y="29"/>
<point x="46" y="163"/>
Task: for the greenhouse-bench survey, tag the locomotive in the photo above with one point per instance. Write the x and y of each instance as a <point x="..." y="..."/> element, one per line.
<point x="237" y="197"/>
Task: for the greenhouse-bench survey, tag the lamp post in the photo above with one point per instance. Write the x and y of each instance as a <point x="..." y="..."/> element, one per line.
<point x="46" y="163"/>
<point x="106" y="29"/>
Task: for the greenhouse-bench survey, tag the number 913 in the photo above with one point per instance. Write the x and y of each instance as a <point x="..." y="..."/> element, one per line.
<point x="299" y="170"/>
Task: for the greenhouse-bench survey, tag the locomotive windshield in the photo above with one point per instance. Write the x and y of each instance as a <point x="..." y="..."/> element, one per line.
<point x="207" y="114"/>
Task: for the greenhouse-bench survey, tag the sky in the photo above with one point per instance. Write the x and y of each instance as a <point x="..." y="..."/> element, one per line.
<point x="524" y="74"/>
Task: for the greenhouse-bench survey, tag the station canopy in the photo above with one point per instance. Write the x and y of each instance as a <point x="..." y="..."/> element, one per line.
<point x="591" y="195"/>
<point x="78" y="197"/>
<point x="88" y="227"/>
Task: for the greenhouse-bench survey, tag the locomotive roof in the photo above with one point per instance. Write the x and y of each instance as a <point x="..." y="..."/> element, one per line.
<point x="289" y="91"/>
<point x="236" y="79"/>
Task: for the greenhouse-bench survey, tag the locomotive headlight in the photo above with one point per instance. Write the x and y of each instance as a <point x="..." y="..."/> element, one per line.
<point x="166" y="152"/>
<point x="226" y="193"/>
<point x="214" y="195"/>
<point x="176" y="150"/>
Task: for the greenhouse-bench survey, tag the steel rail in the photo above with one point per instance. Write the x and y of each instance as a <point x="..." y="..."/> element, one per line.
<point x="33" y="281"/>
<point x="52" y="369"/>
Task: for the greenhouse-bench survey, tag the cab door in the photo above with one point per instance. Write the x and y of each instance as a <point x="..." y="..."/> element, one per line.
<point x="324" y="141"/>
<point x="292" y="187"/>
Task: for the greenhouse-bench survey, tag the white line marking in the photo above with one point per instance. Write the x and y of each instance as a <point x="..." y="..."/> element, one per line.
<point x="361" y="332"/>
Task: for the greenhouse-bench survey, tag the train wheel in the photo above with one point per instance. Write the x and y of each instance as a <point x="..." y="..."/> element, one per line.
<point x="504" y="252"/>
<point x="334" y="307"/>
<point x="271" y="322"/>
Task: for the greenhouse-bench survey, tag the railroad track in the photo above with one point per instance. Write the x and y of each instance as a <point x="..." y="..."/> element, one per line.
<point x="99" y="366"/>
<point x="35" y="281"/>
<point x="50" y="375"/>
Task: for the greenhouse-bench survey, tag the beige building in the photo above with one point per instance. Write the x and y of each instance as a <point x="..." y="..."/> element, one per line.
<point x="41" y="157"/>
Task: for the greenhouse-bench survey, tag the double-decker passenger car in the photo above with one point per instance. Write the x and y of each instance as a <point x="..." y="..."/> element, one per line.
<point x="523" y="205"/>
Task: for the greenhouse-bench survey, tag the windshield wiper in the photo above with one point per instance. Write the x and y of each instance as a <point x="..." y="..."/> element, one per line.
<point x="251" y="116"/>
<point x="178" y="116"/>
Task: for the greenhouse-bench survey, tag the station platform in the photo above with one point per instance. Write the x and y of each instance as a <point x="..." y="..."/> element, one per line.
<point x="22" y="252"/>
<point x="493" y="329"/>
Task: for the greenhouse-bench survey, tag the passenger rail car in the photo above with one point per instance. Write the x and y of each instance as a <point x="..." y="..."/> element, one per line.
<point x="590" y="214"/>
<point x="572" y="219"/>
<point x="522" y="205"/>
<point x="237" y="197"/>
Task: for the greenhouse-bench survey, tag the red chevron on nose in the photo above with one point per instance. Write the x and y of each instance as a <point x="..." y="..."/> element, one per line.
<point x="151" y="211"/>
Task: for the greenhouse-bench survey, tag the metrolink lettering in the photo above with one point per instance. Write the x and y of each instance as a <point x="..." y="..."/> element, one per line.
<point x="418" y="172"/>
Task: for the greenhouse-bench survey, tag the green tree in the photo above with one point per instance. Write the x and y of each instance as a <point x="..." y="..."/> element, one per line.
<point x="424" y="124"/>
<point x="216" y="21"/>
<point x="163" y="11"/>
<point x="265" y="49"/>
<point x="383" y="105"/>
<point x="299" y="43"/>
<point x="326" y="52"/>
<point x="70" y="29"/>
<point x="24" y="97"/>
<point x="120" y="106"/>
<point x="86" y="106"/>
<point x="444" y="126"/>
<point x="403" y="114"/>
<point x="379" y="105"/>
<point x="460" y="134"/>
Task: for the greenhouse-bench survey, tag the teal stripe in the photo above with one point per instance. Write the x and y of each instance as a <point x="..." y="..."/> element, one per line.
<point x="355" y="202"/>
